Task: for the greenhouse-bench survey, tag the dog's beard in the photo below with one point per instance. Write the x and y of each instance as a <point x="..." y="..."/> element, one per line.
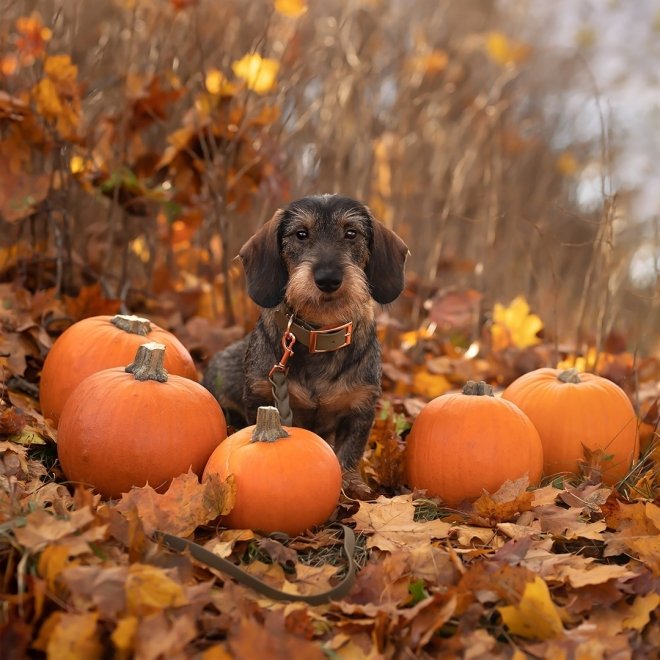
<point x="351" y="301"/>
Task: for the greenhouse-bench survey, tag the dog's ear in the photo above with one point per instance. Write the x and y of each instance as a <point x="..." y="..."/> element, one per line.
<point x="386" y="264"/>
<point x="264" y="269"/>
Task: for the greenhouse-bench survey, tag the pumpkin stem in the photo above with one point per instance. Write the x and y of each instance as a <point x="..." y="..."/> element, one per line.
<point x="136" y="325"/>
<point x="569" y="376"/>
<point x="268" y="427"/>
<point x="148" y="363"/>
<point x="480" y="388"/>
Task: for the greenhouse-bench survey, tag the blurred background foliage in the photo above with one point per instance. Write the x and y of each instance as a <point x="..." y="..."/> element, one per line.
<point x="143" y="141"/>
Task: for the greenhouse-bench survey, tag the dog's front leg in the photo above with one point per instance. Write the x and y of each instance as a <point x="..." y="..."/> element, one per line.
<point x="351" y="436"/>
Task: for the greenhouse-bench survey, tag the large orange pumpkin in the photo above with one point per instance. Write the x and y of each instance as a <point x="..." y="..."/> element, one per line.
<point x="287" y="478"/>
<point x="98" y="343"/>
<point x="570" y="410"/>
<point x="126" y="427"/>
<point x="464" y="443"/>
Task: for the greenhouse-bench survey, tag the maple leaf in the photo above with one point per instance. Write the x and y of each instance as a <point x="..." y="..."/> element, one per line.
<point x="258" y="72"/>
<point x="515" y="325"/>
<point x="535" y="616"/>
<point x="504" y="504"/>
<point x="183" y="507"/>
<point x="391" y="524"/>
<point x="291" y="8"/>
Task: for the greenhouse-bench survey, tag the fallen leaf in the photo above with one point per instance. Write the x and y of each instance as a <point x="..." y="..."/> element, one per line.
<point x="640" y="611"/>
<point x="65" y="635"/>
<point x="150" y="589"/>
<point x="391" y="525"/>
<point x="183" y="507"/>
<point x="536" y="616"/>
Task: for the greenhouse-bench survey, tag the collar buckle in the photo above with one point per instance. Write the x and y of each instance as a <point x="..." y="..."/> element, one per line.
<point x="314" y="335"/>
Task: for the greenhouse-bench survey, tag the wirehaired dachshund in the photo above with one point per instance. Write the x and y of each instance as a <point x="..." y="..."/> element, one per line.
<point x="316" y="268"/>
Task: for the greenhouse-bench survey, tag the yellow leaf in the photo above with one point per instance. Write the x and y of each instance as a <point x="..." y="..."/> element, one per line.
<point x="258" y="72"/>
<point x="291" y="8"/>
<point x="567" y="163"/>
<point x="77" y="165"/>
<point x="123" y="636"/>
<point x="217" y="83"/>
<point x="430" y="385"/>
<point x="640" y="611"/>
<point x="70" y="636"/>
<point x="504" y="51"/>
<point x="61" y="69"/>
<point x="536" y="616"/>
<point x="149" y="589"/>
<point x="51" y="562"/>
<point x="46" y="98"/>
<point x="514" y="325"/>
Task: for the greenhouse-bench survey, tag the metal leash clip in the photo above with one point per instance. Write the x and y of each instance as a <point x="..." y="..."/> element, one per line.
<point x="288" y="340"/>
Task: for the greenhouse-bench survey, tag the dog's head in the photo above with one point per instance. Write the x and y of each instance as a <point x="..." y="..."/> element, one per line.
<point x="326" y="256"/>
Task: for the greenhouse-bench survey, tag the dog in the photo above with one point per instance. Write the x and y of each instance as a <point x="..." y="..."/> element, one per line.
<point x="316" y="268"/>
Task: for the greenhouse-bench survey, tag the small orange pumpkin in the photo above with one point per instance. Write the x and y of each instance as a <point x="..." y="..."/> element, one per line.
<point x="572" y="409"/>
<point x="287" y="478"/>
<point x="462" y="444"/>
<point x="97" y="343"/>
<point x="125" y="427"/>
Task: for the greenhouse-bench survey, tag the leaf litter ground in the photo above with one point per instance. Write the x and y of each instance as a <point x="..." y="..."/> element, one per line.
<point x="569" y="569"/>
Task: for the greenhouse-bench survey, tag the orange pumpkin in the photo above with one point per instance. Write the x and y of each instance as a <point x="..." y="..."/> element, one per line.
<point x="98" y="343"/>
<point x="464" y="443"/>
<point x="570" y="410"/>
<point x="287" y="478"/>
<point x="126" y="427"/>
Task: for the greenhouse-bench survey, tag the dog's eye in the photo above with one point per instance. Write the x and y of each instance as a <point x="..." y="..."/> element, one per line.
<point x="351" y="234"/>
<point x="301" y="234"/>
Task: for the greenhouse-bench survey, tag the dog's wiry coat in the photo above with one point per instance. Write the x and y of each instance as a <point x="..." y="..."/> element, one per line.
<point x="326" y="260"/>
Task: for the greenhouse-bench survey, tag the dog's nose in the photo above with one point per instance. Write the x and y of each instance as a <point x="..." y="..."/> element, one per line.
<point x="328" y="279"/>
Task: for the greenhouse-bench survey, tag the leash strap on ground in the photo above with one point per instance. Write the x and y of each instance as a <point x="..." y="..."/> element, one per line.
<point x="281" y="396"/>
<point x="206" y="557"/>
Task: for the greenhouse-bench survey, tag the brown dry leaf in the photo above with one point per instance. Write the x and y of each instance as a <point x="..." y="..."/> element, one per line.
<point x="183" y="507"/>
<point x="251" y="639"/>
<point x="163" y="636"/>
<point x="506" y="503"/>
<point x="568" y="523"/>
<point x="42" y="528"/>
<point x="594" y="573"/>
<point x="20" y="192"/>
<point x="99" y="587"/>
<point x="535" y="616"/>
<point x="390" y="521"/>
<point x="383" y="463"/>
